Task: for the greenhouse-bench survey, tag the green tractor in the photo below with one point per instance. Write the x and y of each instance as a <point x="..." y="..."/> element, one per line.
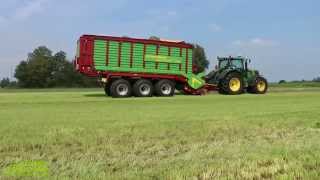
<point x="232" y="76"/>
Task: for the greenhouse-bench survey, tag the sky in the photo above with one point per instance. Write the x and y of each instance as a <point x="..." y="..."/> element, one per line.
<point x="281" y="37"/>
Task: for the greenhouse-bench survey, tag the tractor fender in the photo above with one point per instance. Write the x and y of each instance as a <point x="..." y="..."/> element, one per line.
<point x="225" y="73"/>
<point x="252" y="75"/>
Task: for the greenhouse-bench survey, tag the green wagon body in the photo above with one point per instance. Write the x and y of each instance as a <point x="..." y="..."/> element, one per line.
<point x="111" y="54"/>
<point x="162" y="62"/>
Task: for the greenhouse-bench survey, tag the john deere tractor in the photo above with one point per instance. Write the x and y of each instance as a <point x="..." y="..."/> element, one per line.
<point x="232" y="76"/>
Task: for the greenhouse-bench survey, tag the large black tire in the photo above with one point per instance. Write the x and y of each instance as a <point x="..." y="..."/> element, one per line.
<point x="220" y="89"/>
<point x="107" y="89"/>
<point x="120" y="88"/>
<point x="143" y="88"/>
<point x="232" y="84"/>
<point x="260" y="86"/>
<point x="165" y="88"/>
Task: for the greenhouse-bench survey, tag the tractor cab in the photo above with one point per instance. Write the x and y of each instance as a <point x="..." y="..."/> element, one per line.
<point x="232" y="76"/>
<point x="239" y="63"/>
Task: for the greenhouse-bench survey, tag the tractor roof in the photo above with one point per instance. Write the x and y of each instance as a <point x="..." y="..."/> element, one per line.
<point x="230" y="57"/>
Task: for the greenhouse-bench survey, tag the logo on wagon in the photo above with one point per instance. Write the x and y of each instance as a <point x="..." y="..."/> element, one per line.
<point x="165" y="59"/>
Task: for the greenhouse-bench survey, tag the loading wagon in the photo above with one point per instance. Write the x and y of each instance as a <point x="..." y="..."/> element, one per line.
<point x="145" y="67"/>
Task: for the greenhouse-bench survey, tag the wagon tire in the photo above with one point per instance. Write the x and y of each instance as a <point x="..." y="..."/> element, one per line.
<point x="120" y="88"/>
<point x="165" y="88"/>
<point x="143" y="88"/>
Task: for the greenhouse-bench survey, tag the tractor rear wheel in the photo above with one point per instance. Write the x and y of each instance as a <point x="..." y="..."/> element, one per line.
<point x="232" y="84"/>
<point x="260" y="87"/>
<point x="120" y="88"/>
<point x="143" y="88"/>
<point x="165" y="88"/>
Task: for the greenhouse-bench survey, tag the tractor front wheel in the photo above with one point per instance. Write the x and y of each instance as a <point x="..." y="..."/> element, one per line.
<point x="260" y="87"/>
<point x="232" y="84"/>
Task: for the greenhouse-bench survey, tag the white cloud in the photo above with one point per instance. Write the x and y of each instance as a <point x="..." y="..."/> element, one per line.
<point x="215" y="27"/>
<point x="255" y="42"/>
<point x="31" y="7"/>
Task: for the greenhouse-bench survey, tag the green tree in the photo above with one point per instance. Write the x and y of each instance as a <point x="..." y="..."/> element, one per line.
<point x="42" y="69"/>
<point x="154" y="38"/>
<point x="21" y="73"/>
<point x="5" y="82"/>
<point x="35" y="71"/>
<point x="59" y="67"/>
<point x="200" y="60"/>
<point x="64" y="74"/>
<point x="317" y="79"/>
<point x="282" y="81"/>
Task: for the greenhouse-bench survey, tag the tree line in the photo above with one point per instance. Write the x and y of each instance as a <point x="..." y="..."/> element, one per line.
<point x="45" y="69"/>
<point x="316" y="79"/>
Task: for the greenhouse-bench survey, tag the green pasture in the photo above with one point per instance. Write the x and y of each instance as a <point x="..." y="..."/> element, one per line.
<point x="81" y="134"/>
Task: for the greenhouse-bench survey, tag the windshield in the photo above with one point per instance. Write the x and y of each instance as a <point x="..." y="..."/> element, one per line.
<point x="237" y="63"/>
<point x="223" y="63"/>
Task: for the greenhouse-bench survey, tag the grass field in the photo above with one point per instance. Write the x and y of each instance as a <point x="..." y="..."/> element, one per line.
<point x="85" y="135"/>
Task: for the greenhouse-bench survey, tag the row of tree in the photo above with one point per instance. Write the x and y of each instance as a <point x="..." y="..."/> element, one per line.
<point x="5" y="82"/>
<point x="43" y="69"/>
<point x="317" y="79"/>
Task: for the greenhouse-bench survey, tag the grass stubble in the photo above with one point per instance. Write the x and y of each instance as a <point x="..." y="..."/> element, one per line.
<point x="85" y="135"/>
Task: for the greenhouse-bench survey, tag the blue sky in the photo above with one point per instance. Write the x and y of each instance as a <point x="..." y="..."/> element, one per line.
<point x="282" y="37"/>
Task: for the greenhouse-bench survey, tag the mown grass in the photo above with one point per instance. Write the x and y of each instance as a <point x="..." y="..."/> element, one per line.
<point x="85" y="135"/>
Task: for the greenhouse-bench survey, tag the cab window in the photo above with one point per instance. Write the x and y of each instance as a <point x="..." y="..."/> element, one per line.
<point x="237" y="63"/>
<point x="223" y="64"/>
